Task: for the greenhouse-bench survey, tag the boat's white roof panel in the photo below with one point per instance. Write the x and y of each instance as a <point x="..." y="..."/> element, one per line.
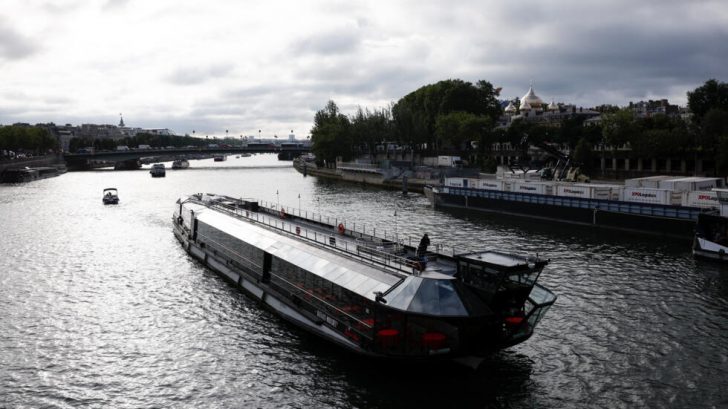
<point x="350" y="274"/>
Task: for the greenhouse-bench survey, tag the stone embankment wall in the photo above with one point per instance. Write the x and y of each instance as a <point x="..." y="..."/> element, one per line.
<point x="47" y="160"/>
<point x="413" y="184"/>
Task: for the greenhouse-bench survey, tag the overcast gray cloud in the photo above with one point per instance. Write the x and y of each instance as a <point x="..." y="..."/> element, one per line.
<point x="342" y="41"/>
<point x="245" y="66"/>
<point x="198" y="75"/>
<point x="13" y="44"/>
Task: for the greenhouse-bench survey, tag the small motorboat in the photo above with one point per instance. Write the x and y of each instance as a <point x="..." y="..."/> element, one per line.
<point x="180" y="164"/>
<point x="110" y="196"/>
<point x="158" y="170"/>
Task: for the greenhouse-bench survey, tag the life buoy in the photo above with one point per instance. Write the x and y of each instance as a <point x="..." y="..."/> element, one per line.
<point x="283" y="214"/>
<point x="342" y="229"/>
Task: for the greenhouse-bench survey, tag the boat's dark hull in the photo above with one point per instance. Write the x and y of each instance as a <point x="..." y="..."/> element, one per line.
<point x="28" y="175"/>
<point x="484" y="334"/>
<point x="273" y="301"/>
<point x="589" y="214"/>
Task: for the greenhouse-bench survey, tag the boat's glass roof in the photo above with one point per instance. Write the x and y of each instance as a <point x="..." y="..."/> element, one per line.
<point x="354" y="276"/>
<point x="432" y="296"/>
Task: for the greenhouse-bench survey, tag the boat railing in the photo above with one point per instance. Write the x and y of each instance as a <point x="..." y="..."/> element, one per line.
<point x="364" y="231"/>
<point x="391" y="262"/>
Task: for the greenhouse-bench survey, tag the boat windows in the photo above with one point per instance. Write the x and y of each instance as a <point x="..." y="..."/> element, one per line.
<point x="428" y="296"/>
<point x="239" y="252"/>
<point x="437" y="297"/>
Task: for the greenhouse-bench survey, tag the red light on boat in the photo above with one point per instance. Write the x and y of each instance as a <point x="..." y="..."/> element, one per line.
<point x="434" y="340"/>
<point x="513" y="320"/>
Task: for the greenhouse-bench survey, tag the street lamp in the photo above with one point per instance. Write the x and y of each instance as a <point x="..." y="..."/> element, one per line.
<point x="299" y="205"/>
<point x="278" y="202"/>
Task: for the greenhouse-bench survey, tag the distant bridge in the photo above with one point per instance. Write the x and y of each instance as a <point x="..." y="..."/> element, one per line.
<point x="132" y="158"/>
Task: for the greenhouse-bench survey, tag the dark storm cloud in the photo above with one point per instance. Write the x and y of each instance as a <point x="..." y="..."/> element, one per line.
<point x="13" y="44"/>
<point x="612" y="58"/>
<point x="198" y="75"/>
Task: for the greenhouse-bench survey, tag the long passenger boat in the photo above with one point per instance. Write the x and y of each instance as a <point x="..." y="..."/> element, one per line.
<point x="375" y="296"/>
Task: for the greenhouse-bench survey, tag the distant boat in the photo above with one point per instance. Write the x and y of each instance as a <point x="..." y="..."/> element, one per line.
<point x="180" y="164"/>
<point x="220" y="158"/>
<point x="158" y="170"/>
<point x="245" y="155"/>
<point x="27" y="174"/>
<point x="110" y="196"/>
<point x="710" y="239"/>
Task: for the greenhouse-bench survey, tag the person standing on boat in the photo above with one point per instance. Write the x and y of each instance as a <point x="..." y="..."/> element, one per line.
<point x="422" y="248"/>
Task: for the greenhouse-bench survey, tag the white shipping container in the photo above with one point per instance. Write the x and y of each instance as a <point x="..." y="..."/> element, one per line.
<point x="584" y="191"/>
<point x="533" y="187"/>
<point x="647" y="181"/>
<point x="491" y="184"/>
<point x="678" y="198"/>
<point x="462" y="182"/>
<point x="454" y="182"/>
<point x="689" y="184"/>
<point x="646" y="195"/>
<point x="704" y="198"/>
<point x="653" y="182"/>
<point x="615" y="190"/>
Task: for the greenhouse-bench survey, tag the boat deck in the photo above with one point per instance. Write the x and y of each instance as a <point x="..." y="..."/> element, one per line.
<point x="382" y="253"/>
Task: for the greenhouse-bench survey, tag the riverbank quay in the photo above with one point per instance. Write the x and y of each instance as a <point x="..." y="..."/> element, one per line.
<point x="391" y="177"/>
<point x="27" y="170"/>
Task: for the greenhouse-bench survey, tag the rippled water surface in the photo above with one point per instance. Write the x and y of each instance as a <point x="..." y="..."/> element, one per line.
<point x="100" y="307"/>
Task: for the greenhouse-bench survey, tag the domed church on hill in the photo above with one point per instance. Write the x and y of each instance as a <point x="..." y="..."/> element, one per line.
<point x="532" y="108"/>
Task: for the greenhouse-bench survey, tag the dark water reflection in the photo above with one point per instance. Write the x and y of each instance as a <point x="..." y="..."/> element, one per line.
<point x="100" y="307"/>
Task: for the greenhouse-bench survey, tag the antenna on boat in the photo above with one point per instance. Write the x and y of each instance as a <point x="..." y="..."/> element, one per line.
<point x="396" y="233"/>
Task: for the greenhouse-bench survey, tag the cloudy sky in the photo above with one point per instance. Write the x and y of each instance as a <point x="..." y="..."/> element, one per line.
<point x="248" y="65"/>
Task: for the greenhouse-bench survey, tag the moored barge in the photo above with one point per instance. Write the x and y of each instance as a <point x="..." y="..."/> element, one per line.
<point x="662" y="205"/>
<point x="374" y="296"/>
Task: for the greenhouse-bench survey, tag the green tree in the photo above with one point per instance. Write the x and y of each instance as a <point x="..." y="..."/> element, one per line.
<point x="711" y="95"/>
<point x="458" y="129"/>
<point x="583" y="155"/>
<point x="619" y="128"/>
<point x="35" y="139"/>
<point x="331" y="135"/>
<point x="368" y="128"/>
<point x="416" y="114"/>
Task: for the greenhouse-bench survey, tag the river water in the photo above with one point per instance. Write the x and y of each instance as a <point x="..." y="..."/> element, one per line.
<point x="101" y="308"/>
